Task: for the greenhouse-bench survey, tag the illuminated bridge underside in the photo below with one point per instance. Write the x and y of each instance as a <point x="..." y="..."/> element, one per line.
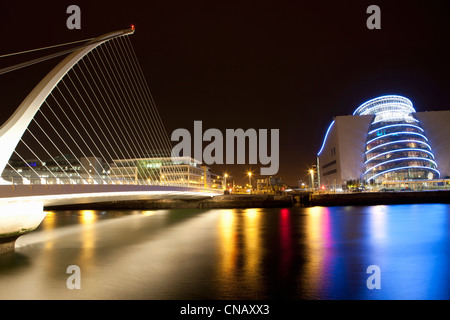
<point x="396" y="147"/>
<point x="22" y="208"/>
<point x="54" y="195"/>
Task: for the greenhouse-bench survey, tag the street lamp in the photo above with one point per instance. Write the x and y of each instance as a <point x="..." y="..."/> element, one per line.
<point x="311" y="171"/>
<point x="249" y="178"/>
<point x="225" y="180"/>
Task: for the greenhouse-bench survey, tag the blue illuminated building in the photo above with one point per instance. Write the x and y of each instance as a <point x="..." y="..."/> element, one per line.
<point x="385" y="141"/>
<point x="397" y="147"/>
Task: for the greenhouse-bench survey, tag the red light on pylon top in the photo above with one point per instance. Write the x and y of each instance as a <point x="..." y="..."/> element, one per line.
<point x="133" y="27"/>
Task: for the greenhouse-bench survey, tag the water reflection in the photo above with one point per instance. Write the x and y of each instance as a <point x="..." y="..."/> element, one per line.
<point x="415" y="252"/>
<point x="286" y="245"/>
<point x="377" y="223"/>
<point x="49" y="221"/>
<point x="227" y="245"/>
<point x="295" y="253"/>
<point x="318" y="252"/>
<point x="87" y="236"/>
<point x="408" y="242"/>
<point x="240" y="251"/>
<point x="252" y="249"/>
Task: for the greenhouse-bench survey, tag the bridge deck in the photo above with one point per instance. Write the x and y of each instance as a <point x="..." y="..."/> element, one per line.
<point x="73" y="194"/>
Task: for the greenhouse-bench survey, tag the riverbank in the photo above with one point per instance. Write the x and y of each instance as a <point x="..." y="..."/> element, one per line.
<point x="218" y="202"/>
<point x="233" y="254"/>
<point x="271" y="201"/>
<point x="379" y="198"/>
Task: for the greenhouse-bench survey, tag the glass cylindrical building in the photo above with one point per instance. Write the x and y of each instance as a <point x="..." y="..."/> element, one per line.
<point x="397" y="146"/>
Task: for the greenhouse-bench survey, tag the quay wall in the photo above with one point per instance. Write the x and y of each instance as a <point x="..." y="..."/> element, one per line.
<point x="217" y="202"/>
<point x="271" y="201"/>
<point x="379" y="198"/>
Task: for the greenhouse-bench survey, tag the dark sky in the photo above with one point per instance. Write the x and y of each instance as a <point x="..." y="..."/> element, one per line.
<point x="287" y="65"/>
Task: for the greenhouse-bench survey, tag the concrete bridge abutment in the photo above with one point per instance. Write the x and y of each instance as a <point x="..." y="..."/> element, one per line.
<point x="18" y="218"/>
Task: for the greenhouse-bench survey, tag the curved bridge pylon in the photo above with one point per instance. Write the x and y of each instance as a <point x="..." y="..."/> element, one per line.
<point x="13" y="129"/>
<point x="127" y="175"/>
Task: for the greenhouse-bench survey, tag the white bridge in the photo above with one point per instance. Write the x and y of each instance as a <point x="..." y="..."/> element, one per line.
<point x="88" y="132"/>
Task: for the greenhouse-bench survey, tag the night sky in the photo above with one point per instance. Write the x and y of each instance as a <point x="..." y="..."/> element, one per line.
<point x="287" y="65"/>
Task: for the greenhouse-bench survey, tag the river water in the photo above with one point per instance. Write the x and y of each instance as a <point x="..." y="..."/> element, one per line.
<point x="290" y="253"/>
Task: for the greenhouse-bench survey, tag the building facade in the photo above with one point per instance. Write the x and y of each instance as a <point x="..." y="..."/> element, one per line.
<point x="62" y="169"/>
<point x="166" y="170"/>
<point x="269" y="184"/>
<point x="385" y="140"/>
<point x="67" y="169"/>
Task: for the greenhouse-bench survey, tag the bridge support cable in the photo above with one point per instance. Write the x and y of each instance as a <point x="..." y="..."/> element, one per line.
<point x="78" y="130"/>
<point x="122" y="112"/>
<point x="45" y="48"/>
<point x="74" y="140"/>
<point x="107" y="128"/>
<point x="129" y="85"/>
<point x="117" y="122"/>
<point x="53" y="159"/>
<point x="150" y="111"/>
<point x="98" y="124"/>
<point x="66" y="161"/>
<point x="37" y="157"/>
<point x="93" y="128"/>
<point x="136" y="84"/>
<point x="17" y="173"/>
<point x="38" y="176"/>
<point x="122" y="82"/>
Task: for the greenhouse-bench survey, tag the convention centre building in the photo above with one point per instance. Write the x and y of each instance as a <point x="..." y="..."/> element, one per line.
<point x="386" y="143"/>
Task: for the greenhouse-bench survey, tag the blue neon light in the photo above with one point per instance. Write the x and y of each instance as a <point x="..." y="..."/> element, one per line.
<point x="401" y="159"/>
<point x="399" y="108"/>
<point x="325" y="139"/>
<point x="402" y="168"/>
<point x="405" y="101"/>
<point x="397" y="125"/>
<point x="399" y="141"/>
<point x="396" y="133"/>
<point x="390" y="120"/>
<point x="393" y="111"/>
<point x="399" y="150"/>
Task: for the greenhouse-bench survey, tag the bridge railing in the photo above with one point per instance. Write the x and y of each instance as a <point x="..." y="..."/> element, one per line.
<point x="90" y="181"/>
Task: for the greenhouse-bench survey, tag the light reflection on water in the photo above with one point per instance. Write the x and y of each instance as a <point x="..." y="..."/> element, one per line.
<point x="295" y="253"/>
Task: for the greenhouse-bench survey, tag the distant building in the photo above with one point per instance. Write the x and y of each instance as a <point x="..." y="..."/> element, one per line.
<point x="183" y="170"/>
<point x="92" y="166"/>
<point x="385" y="141"/>
<point x="65" y="169"/>
<point x="269" y="184"/>
<point x="60" y="169"/>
